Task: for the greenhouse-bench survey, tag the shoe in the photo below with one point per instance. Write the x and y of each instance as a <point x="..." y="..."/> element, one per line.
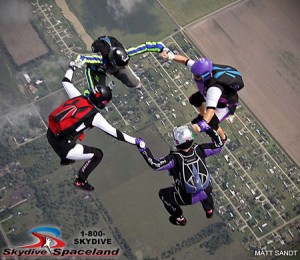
<point x="84" y="185"/>
<point x="209" y="213"/>
<point x="181" y="221"/>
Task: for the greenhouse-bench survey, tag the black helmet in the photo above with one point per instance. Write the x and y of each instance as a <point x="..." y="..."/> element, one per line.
<point x="101" y="96"/>
<point x="118" y="57"/>
<point x="97" y="46"/>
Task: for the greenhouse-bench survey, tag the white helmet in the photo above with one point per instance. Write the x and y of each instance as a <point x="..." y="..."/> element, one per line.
<point x="183" y="137"/>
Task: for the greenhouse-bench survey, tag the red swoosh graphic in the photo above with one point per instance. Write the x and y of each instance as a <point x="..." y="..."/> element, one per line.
<point x="42" y="241"/>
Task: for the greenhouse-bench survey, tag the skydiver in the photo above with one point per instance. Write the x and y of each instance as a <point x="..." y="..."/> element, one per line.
<point x="69" y="121"/>
<point x="113" y="58"/>
<point x="217" y="97"/>
<point x="187" y="166"/>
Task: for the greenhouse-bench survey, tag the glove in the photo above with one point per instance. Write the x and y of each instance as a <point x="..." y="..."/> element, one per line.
<point x="197" y="119"/>
<point x="216" y="139"/>
<point x="140" y="143"/>
<point x="76" y="64"/>
<point x="203" y="125"/>
<point x="170" y="54"/>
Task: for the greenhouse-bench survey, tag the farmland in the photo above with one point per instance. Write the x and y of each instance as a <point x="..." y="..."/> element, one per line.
<point x="256" y="184"/>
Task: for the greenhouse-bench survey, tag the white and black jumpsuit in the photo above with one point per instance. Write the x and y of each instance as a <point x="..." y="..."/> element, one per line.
<point x="176" y="195"/>
<point x="67" y="147"/>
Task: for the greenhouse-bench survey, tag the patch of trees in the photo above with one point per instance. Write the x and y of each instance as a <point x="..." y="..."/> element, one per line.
<point x="40" y="158"/>
<point x="6" y="155"/>
<point x="222" y="236"/>
<point x="62" y="207"/>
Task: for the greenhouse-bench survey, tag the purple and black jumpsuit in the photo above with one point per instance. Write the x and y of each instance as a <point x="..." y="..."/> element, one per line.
<point x="175" y="196"/>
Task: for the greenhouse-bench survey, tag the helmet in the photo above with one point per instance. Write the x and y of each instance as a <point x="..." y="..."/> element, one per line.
<point x="118" y="57"/>
<point x="202" y="68"/>
<point x="97" y="46"/>
<point x="101" y="96"/>
<point x="183" y="137"/>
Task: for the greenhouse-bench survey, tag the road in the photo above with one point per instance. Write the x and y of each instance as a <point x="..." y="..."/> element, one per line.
<point x="3" y="234"/>
<point x="73" y="19"/>
<point x="40" y="7"/>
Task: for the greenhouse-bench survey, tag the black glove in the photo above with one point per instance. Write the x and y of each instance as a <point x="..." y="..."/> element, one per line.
<point x="214" y="122"/>
<point x="217" y="140"/>
<point x="197" y="119"/>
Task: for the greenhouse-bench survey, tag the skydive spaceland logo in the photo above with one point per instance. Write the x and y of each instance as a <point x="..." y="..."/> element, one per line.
<point x="51" y="245"/>
<point x="42" y="246"/>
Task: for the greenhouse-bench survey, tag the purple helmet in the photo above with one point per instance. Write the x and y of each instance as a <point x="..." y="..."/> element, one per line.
<point x="202" y="68"/>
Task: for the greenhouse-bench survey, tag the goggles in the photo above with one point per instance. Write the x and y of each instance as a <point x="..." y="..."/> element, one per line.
<point x="203" y="77"/>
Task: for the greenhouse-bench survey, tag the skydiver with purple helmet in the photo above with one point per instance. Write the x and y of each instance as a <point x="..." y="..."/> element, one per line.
<point x="217" y="97"/>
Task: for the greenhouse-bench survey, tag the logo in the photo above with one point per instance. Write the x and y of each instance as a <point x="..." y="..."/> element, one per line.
<point x="69" y="111"/>
<point x="48" y="243"/>
<point x="46" y="239"/>
<point x="125" y="58"/>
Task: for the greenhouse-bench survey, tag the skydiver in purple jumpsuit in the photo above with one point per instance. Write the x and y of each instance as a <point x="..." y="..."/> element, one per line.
<point x="187" y="166"/>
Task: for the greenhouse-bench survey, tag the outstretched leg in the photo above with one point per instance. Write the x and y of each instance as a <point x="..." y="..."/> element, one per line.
<point x="128" y="78"/>
<point x="93" y="157"/>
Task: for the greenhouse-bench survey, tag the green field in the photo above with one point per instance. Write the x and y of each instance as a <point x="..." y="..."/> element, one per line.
<point x="125" y="203"/>
<point x="125" y="24"/>
<point x="188" y="11"/>
<point x="11" y="89"/>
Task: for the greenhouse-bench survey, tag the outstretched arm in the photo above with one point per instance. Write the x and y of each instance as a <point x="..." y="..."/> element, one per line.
<point x="210" y="149"/>
<point x="100" y="122"/>
<point x="164" y="163"/>
<point x="90" y="59"/>
<point x="146" y="47"/>
<point x="215" y="146"/>
<point x="166" y="54"/>
<point x="68" y="85"/>
<point x="181" y="59"/>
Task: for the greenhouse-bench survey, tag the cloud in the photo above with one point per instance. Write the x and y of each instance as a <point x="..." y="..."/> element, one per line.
<point x="50" y="67"/>
<point x="121" y="8"/>
<point x="13" y="11"/>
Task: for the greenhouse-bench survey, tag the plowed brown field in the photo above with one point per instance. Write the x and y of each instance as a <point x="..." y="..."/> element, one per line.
<point x="22" y="34"/>
<point x="262" y="39"/>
